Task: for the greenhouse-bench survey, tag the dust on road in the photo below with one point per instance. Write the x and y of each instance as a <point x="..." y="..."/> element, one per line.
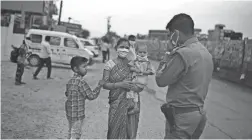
<point x="36" y="110"/>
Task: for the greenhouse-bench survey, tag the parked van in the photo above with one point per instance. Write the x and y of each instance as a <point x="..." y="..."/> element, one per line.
<point x="90" y="46"/>
<point x="64" y="46"/>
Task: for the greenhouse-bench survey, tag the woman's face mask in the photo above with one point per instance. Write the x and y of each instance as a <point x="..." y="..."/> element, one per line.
<point x="122" y="52"/>
<point x="123" y="49"/>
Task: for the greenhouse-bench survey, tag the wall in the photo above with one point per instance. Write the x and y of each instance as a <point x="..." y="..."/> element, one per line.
<point x="31" y="6"/>
<point x="4" y="33"/>
<point x="8" y="39"/>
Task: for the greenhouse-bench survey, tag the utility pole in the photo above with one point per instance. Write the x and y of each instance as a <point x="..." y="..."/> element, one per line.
<point x="108" y="24"/>
<point x="61" y="4"/>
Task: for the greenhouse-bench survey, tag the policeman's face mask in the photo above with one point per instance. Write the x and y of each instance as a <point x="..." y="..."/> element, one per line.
<point x="175" y="38"/>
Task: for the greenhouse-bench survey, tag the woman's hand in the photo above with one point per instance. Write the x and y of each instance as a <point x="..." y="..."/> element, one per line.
<point x="124" y="84"/>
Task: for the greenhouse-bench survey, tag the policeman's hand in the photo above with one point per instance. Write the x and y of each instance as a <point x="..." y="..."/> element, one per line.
<point x="159" y="73"/>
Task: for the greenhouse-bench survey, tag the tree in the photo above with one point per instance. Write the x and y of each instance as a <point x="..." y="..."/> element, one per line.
<point x="85" y="33"/>
<point x="113" y="34"/>
<point x="140" y="36"/>
<point x="110" y="35"/>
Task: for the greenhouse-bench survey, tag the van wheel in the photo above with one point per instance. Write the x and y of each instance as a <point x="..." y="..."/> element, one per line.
<point x="34" y="60"/>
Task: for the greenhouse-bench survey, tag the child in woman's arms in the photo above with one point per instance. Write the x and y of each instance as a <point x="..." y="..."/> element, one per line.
<point x="141" y="68"/>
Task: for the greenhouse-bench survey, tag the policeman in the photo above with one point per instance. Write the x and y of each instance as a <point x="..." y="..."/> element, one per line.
<point x="187" y="71"/>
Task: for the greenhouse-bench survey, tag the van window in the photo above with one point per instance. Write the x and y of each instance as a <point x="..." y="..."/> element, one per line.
<point x="68" y="42"/>
<point x="36" y="38"/>
<point x="55" y="40"/>
<point x="86" y="43"/>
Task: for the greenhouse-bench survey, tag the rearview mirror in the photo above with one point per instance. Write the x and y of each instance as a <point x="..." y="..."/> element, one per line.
<point x="28" y="38"/>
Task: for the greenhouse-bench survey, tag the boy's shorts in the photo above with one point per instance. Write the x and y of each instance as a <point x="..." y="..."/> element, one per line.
<point x="75" y="129"/>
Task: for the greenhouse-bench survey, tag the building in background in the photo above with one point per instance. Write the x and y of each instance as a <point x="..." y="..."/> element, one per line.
<point x="219" y="33"/>
<point x="199" y="35"/>
<point x="197" y="32"/>
<point x="17" y="17"/>
<point x="28" y="14"/>
<point x="158" y="34"/>
<point x="72" y="28"/>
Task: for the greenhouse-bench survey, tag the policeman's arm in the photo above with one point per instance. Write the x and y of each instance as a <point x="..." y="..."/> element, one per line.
<point x="174" y="70"/>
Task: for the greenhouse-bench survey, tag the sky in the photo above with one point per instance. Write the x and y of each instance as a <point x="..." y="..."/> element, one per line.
<point x="139" y="16"/>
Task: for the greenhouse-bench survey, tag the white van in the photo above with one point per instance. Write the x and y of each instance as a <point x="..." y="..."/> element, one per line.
<point x="64" y="46"/>
<point x="90" y="46"/>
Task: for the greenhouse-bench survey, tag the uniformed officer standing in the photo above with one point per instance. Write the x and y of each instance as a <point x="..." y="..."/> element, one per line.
<point x="187" y="71"/>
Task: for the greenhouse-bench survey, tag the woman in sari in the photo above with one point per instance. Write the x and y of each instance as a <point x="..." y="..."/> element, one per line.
<point x="117" y="76"/>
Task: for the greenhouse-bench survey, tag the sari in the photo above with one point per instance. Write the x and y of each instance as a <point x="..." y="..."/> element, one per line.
<point x="120" y="124"/>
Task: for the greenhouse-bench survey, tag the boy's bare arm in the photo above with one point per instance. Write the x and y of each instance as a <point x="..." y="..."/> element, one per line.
<point x="91" y="95"/>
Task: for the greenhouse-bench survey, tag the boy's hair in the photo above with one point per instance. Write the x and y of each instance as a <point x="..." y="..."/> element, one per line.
<point x="77" y="61"/>
<point x="132" y="38"/>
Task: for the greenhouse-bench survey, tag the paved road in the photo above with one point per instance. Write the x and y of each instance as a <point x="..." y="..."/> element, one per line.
<point x="228" y="107"/>
<point x="36" y="110"/>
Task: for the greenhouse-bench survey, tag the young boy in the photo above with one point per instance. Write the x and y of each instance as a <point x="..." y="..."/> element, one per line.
<point x="21" y="62"/>
<point x="141" y="68"/>
<point x="77" y="91"/>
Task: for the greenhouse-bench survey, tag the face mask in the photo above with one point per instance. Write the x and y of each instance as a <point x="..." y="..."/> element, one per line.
<point x="175" y="41"/>
<point x="145" y="58"/>
<point x="132" y="43"/>
<point x="122" y="52"/>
